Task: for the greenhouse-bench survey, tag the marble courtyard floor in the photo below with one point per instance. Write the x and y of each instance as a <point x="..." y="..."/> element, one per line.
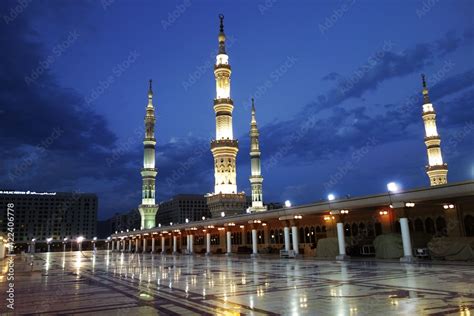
<point x="75" y="283"/>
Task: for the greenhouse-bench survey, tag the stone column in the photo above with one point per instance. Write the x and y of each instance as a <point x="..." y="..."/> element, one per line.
<point x="407" y="251"/>
<point x="341" y="241"/>
<point x="163" y="250"/>
<point x="175" y="245"/>
<point x="130" y="241"/>
<point x="286" y="232"/>
<point x="137" y="245"/>
<point x="254" y="242"/>
<point x="294" y="232"/>
<point x="229" y="243"/>
<point x="152" y="244"/>
<point x="144" y="244"/>
<point x="188" y="243"/>
<point x="208" y="244"/>
<point x="191" y="244"/>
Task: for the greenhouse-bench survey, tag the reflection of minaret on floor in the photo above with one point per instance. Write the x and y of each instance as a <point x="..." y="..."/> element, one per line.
<point x="256" y="178"/>
<point x="437" y="170"/>
<point x="225" y="200"/>
<point x="148" y="208"/>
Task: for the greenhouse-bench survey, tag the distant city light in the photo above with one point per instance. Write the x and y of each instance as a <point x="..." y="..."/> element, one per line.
<point x="222" y="214"/>
<point x="48" y="240"/>
<point x="187" y="220"/>
<point x="204" y="217"/>
<point x="288" y="203"/>
<point x="331" y="197"/>
<point x="80" y="239"/>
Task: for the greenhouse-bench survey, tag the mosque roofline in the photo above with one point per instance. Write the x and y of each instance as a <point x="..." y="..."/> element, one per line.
<point x="446" y="191"/>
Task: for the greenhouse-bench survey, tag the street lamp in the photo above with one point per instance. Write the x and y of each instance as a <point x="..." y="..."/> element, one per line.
<point x="392" y="187"/>
<point x="287" y="203"/>
<point x="32" y="250"/>
<point x="93" y="244"/>
<point x="187" y="220"/>
<point x="331" y="197"/>
<point x="79" y="241"/>
<point x="64" y="244"/>
<point x="48" y="241"/>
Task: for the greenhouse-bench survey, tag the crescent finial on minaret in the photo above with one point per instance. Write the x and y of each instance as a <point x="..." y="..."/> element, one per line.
<point x="426" y="97"/>
<point x="221" y="35"/>
<point x="221" y="17"/>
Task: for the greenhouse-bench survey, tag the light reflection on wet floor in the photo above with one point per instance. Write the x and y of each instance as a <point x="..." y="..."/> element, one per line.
<point x="131" y="284"/>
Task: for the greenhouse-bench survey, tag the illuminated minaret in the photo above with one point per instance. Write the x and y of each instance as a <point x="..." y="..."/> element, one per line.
<point x="148" y="208"/>
<point x="226" y="199"/>
<point x="256" y="178"/>
<point x="437" y="170"/>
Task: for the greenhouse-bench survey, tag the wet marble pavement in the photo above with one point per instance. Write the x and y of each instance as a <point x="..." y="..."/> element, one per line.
<point x="75" y="283"/>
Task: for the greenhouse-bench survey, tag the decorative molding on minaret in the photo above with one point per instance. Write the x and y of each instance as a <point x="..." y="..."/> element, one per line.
<point x="256" y="178"/>
<point x="148" y="208"/>
<point x="224" y="148"/>
<point x="437" y="170"/>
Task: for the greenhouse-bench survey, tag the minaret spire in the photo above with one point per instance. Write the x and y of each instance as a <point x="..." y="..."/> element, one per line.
<point x="437" y="170"/>
<point x="221" y="35"/>
<point x="225" y="200"/>
<point x="148" y="207"/>
<point x="426" y="97"/>
<point x="256" y="178"/>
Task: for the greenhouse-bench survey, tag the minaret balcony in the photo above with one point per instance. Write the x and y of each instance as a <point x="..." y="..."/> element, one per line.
<point x="225" y="101"/>
<point x="219" y="143"/>
<point x="444" y="166"/>
<point x="222" y="66"/>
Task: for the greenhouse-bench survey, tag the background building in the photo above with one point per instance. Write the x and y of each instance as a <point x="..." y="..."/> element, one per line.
<point x="50" y="214"/>
<point x="182" y="206"/>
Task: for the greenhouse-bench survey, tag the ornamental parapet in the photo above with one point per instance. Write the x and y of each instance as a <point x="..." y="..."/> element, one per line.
<point x="224" y="143"/>
<point x="223" y="101"/>
<point x="444" y="166"/>
<point x="222" y="66"/>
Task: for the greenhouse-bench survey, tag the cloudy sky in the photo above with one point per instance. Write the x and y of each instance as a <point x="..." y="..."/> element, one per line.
<point x="337" y="88"/>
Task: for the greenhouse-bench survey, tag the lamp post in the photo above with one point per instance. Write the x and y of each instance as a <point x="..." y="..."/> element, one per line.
<point x="64" y="244"/>
<point x="79" y="241"/>
<point x="48" y="241"/>
<point x="33" y="241"/>
<point x="94" y="249"/>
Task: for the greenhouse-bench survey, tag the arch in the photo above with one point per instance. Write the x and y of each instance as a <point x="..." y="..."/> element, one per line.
<point x="419" y="225"/>
<point x="301" y="235"/>
<point x="362" y="230"/>
<point x="378" y="228"/>
<point x="469" y="225"/>
<point x="429" y="226"/>
<point x="281" y="238"/>
<point x="347" y="230"/>
<point x="441" y="226"/>
<point x="355" y="229"/>
<point x="312" y="235"/>
<point x="306" y="235"/>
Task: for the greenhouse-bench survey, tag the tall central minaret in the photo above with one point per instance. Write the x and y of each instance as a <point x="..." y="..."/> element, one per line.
<point x="437" y="170"/>
<point x="225" y="200"/>
<point x="224" y="148"/>
<point x="256" y="178"/>
<point x="148" y="208"/>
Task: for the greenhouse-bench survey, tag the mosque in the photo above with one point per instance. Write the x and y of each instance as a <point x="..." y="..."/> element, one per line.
<point x="395" y="224"/>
